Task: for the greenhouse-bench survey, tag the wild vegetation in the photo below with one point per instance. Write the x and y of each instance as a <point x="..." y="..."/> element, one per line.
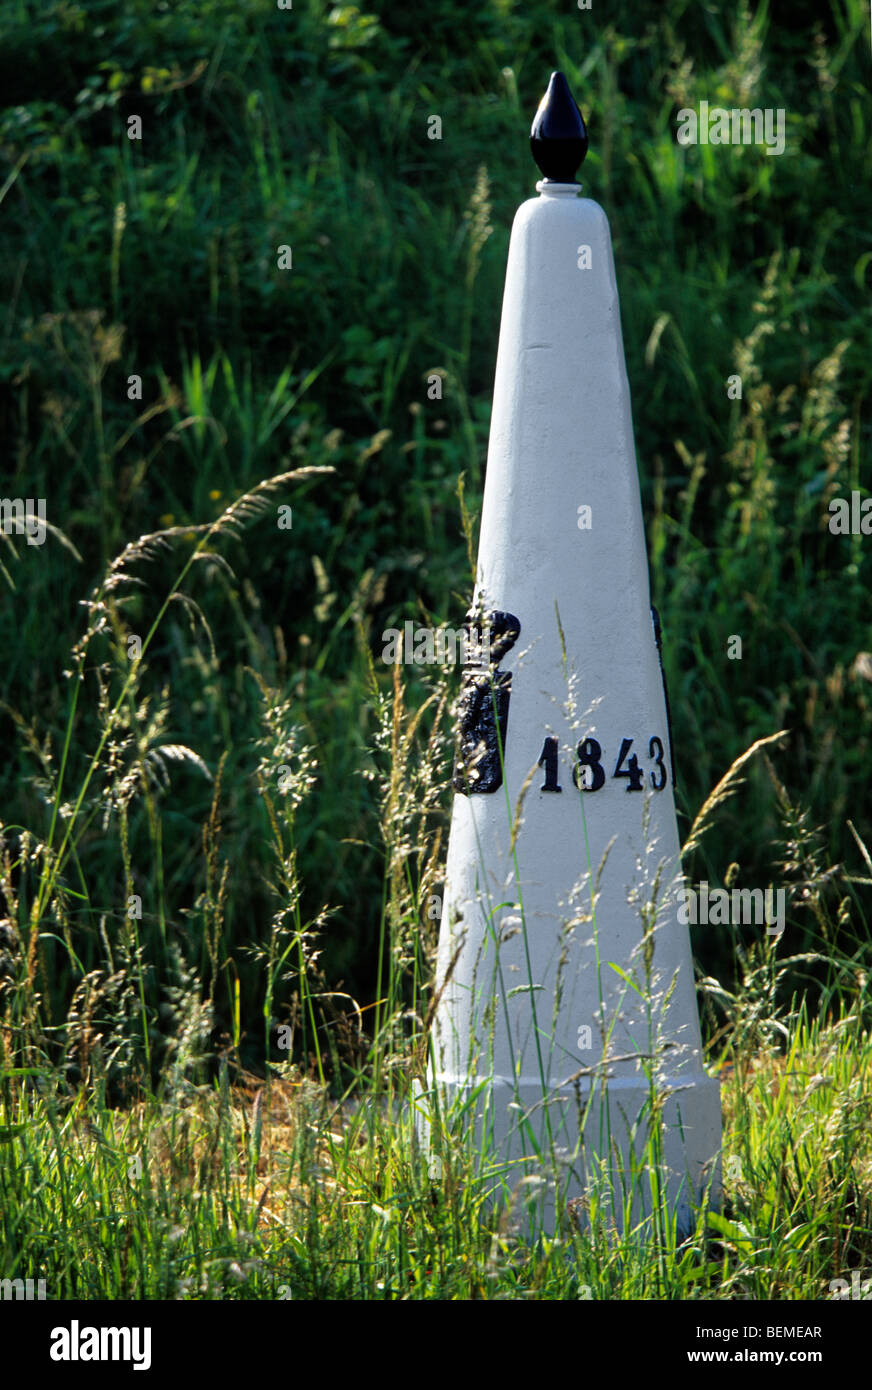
<point x="222" y="818"/>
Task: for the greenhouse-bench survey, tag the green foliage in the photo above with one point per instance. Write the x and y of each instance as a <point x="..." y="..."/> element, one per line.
<point x="236" y="1191"/>
<point x="158" y="258"/>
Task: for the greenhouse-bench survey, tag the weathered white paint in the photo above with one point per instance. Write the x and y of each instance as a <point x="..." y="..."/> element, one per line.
<point x="562" y="437"/>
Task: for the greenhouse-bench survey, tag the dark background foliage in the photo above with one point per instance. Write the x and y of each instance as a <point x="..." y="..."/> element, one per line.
<point x="309" y="128"/>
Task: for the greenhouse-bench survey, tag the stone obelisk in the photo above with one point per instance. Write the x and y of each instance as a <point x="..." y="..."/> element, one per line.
<point x="567" y="992"/>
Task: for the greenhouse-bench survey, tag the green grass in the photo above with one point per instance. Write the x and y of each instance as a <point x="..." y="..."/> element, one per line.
<point x="184" y="780"/>
<point x="233" y="1191"/>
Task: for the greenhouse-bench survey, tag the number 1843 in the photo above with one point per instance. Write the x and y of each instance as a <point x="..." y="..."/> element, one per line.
<point x="589" y="773"/>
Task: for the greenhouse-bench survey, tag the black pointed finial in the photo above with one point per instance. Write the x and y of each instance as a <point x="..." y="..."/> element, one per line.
<point x="558" y="138"/>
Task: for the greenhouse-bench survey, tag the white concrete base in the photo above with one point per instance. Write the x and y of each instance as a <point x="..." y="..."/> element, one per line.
<point x="688" y="1171"/>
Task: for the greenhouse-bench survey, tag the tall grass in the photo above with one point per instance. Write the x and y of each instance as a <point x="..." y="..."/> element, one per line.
<point x="213" y="1182"/>
<point x="179" y="785"/>
<point x="158" y="259"/>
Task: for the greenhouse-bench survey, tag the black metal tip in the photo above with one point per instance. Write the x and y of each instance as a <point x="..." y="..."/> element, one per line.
<point x="558" y="138"/>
